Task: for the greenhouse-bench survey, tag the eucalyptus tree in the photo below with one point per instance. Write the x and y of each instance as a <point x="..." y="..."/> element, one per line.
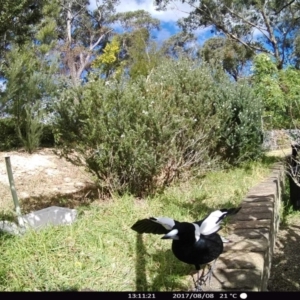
<point x="17" y="20"/>
<point x="138" y="48"/>
<point x="268" y="26"/>
<point x="234" y="57"/>
<point x="82" y="33"/>
<point x="182" y="43"/>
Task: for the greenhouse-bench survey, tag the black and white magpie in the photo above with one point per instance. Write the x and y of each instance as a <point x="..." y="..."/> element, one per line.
<point x="196" y="243"/>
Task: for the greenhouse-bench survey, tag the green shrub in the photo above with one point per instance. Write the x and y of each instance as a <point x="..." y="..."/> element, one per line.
<point x="239" y="134"/>
<point x="140" y="135"/>
<point x="279" y="90"/>
<point x="30" y="130"/>
<point x="8" y="135"/>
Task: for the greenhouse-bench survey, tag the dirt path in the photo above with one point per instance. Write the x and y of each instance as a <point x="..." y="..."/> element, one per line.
<point x="285" y="272"/>
<point x="41" y="179"/>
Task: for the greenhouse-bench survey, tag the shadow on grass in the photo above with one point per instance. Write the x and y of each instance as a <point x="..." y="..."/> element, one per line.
<point x="7" y="216"/>
<point x="140" y="265"/>
<point x="169" y="269"/>
<point x="84" y="197"/>
<point x="171" y="272"/>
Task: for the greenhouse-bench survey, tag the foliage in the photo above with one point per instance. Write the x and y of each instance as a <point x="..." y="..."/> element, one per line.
<point x="47" y="138"/>
<point x="261" y="26"/>
<point x="239" y="132"/>
<point x="109" y="55"/>
<point x="297" y="51"/>
<point x="79" y="34"/>
<point x="138" y="19"/>
<point x="31" y="131"/>
<point x="233" y="56"/>
<point x="142" y="55"/>
<point x="8" y="136"/>
<point x="10" y="140"/>
<point x="47" y="32"/>
<point x="29" y="85"/>
<point x="139" y="54"/>
<point x="280" y="90"/>
<point x="140" y="135"/>
<point x="28" y="79"/>
<point x="109" y="61"/>
<point x="180" y="44"/>
<point x="16" y="21"/>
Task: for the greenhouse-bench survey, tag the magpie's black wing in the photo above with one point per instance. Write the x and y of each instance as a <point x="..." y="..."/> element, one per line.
<point x="160" y="225"/>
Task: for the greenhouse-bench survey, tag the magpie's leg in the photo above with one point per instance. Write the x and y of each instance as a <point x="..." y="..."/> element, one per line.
<point x="209" y="274"/>
<point x="201" y="278"/>
<point x="197" y="283"/>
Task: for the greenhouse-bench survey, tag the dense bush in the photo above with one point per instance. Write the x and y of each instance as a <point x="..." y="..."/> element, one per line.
<point x="30" y="129"/>
<point x="279" y="91"/>
<point x="138" y="136"/>
<point x="8" y="135"/>
<point x="10" y="139"/>
<point x="239" y="134"/>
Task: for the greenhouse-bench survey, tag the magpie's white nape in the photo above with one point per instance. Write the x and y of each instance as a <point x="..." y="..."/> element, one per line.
<point x="196" y="243"/>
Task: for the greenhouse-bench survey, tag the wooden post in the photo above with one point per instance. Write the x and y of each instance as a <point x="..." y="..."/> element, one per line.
<point x="13" y="190"/>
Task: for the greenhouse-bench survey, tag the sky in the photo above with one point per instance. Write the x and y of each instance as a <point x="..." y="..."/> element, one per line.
<point x="168" y="18"/>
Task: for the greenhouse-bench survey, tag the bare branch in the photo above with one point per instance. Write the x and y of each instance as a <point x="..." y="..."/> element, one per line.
<point x="100" y="39"/>
<point x="272" y="36"/>
<point x="261" y="29"/>
<point x="231" y="35"/>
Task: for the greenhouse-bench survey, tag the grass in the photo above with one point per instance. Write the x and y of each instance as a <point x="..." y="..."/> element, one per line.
<point x="100" y="251"/>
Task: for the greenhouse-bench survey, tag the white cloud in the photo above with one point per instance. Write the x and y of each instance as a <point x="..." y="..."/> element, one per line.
<point x="175" y="11"/>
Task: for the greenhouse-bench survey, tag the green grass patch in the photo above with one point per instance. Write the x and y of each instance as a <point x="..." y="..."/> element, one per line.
<point x="100" y="251"/>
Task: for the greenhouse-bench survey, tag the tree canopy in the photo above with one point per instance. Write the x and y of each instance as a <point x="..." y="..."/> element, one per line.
<point x="268" y="26"/>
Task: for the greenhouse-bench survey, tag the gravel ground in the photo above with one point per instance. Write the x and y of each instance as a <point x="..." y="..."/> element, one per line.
<point x="285" y="272"/>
